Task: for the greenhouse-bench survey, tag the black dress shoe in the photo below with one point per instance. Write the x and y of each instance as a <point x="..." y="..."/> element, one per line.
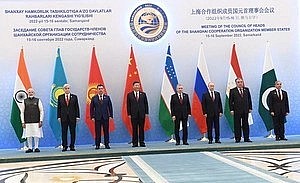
<point x="135" y="145"/>
<point x="107" y="147"/>
<point x="237" y="141"/>
<point x="210" y="142"/>
<point x="29" y="151"/>
<point x="218" y="142"/>
<point x="248" y="140"/>
<point x="72" y="149"/>
<point x="177" y="143"/>
<point x="37" y="150"/>
<point x="143" y="145"/>
<point x="285" y="139"/>
<point x="97" y="147"/>
<point x="185" y="143"/>
<point x="277" y="139"/>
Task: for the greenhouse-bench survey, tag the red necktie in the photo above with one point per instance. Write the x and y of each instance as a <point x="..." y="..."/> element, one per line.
<point x="241" y="92"/>
<point x="180" y="99"/>
<point x="67" y="100"/>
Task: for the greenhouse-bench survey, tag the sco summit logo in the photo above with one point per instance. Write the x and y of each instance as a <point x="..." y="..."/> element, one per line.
<point x="148" y="22"/>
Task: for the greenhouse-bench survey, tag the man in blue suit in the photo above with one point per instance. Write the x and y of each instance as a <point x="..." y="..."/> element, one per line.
<point x="101" y="111"/>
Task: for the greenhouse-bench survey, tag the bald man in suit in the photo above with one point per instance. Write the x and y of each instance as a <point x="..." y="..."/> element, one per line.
<point x="212" y="110"/>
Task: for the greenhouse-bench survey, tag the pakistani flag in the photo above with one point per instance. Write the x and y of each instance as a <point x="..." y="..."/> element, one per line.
<point x="168" y="88"/>
<point x="59" y="80"/>
<point x="22" y="84"/>
<point x="267" y="84"/>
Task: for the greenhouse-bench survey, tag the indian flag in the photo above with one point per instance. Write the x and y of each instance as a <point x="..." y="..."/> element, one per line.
<point x="22" y="84"/>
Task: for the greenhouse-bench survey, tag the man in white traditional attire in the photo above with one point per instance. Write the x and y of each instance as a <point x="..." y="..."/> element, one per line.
<point x="32" y="115"/>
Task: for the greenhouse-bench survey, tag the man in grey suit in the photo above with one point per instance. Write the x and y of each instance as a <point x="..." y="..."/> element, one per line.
<point x="212" y="110"/>
<point x="101" y="111"/>
<point x="180" y="111"/>
<point x="240" y="106"/>
<point x="278" y="103"/>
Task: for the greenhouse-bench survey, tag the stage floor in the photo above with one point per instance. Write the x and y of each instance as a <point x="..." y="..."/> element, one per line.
<point x="264" y="160"/>
<point x="125" y="149"/>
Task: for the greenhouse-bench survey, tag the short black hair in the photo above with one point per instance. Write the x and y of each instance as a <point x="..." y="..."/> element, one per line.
<point x="238" y="79"/>
<point x="100" y="85"/>
<point x="135" y="82"/>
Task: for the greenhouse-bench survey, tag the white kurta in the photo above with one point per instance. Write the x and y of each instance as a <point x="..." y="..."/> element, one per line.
<point x="32" y="129"/>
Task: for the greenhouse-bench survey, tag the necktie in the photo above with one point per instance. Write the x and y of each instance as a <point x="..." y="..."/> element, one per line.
<point x="279" y="95"/>
<point x="212" y="95"/>
<point x="101" y="99"/>
<point x="137" y="96"/>
<point x="67" y="100"/>
<point x="180" y="98"/>
<point x="241" y="92"/>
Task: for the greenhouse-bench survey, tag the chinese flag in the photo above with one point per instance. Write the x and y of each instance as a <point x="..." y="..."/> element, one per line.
<point x="132" y="75"/>
<point x="95" y="78"/>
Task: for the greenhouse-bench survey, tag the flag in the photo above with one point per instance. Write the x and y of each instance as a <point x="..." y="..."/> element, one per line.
<point x="95" y="78"/>
<point x="267" y="84"/>
<point x="234" y="72"/>
<point x="59" y="79"/>
<point x="132" y="75"/>
<point x="168" y="88"/>
<point x="22" y="84"/>
<point x="201" y="82"/>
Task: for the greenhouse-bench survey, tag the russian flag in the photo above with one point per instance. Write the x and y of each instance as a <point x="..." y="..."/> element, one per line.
<point x="201" y="81"/>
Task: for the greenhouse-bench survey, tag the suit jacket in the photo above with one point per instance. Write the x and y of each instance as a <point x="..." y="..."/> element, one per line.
<point x="276" y="105"/>
<point x="178" y="109"/>
<point x="64" y="110"/>
<point x="137" y="109"/>
<point x="240" y="104"/>
<point x="101" y="109"/>
<point x="211" y="107"/>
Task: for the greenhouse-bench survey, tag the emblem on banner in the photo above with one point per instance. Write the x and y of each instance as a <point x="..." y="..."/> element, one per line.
<point x="148" y="22"/>
<point x="55" y="92"/>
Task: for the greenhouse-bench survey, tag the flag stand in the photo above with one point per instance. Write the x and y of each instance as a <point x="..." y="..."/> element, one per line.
<point x="270" y="135"/>
<point x="24" y="148"/>
<point x="203" y="138"/>
<point x="171" y="140"/>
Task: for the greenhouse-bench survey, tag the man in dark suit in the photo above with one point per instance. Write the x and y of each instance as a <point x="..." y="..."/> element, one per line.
<point x="180" y="111"/>
<point x="101" y="111"/>
<point x="137" y="110"/>
<point x="278" y="103"/>
<point x="212" y="110"/>
<point x="68" y="115"/>
<point x="240" y="106"/>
